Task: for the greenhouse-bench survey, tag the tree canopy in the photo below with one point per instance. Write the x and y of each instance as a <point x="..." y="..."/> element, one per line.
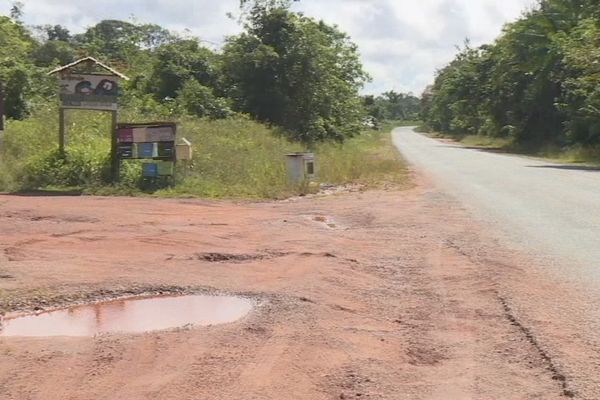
<point x="296" y="72"/>
<point x="285" y="69"/>
<point x="392" y="105"/>
<point x="537" y="83"/>
<point x="16" y="48"/>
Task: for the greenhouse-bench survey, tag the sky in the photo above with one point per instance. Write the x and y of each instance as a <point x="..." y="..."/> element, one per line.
<point x="402" y="42"/>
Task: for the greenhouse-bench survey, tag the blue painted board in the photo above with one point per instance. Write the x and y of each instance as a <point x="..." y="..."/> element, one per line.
<point x="150" y="170"/>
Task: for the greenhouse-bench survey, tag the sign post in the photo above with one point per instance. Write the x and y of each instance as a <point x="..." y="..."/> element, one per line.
<point x="82" y="87"/>
<point x="2" y="113"/>
<point x="115" y="163"/>
<point x="61" y="131"/>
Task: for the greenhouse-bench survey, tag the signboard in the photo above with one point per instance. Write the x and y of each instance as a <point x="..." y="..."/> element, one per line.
<point x="154" y="143"/>
<point x="90" y="92"/>
<point x="88" y="84"/>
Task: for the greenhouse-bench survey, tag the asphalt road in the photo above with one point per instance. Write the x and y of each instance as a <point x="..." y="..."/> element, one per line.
<point x="551" y="210"/>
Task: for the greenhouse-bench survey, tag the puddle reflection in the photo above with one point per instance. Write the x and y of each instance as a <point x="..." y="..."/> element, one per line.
<point x="130" y="316"/>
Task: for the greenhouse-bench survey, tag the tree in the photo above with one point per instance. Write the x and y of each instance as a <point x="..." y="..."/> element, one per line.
<point x="122" y="42"/>
<point x="57" y="32"/>
<point x="201" y="101"/>
<point x="16" y="11"/>
<point x="177" y="63"/>
<point x="581" y="100"/>
<point x="537" y="83"/>
<point x="117" y="41"/>
<point x="53" y="52"/>
<point x="392" y="105"/>
<point x="295" y="72"/>
<point x="16" y="46"/>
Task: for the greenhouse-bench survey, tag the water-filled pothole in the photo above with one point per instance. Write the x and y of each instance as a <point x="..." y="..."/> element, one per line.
<point x="129" y="316"/>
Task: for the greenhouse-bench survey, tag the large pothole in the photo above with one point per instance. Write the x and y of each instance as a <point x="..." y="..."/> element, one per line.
<point x="129" y="316"/>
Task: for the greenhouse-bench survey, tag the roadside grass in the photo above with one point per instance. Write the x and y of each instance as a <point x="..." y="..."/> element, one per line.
<point x="486" y="142"/>
<point x="233" y="158"/>
<point x="369" y="159"/>
<point x="567" y="155"/>
<point x="573" y="155"/>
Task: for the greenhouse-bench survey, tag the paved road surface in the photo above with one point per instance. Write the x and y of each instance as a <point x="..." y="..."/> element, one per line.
<point x="550" y="209"/>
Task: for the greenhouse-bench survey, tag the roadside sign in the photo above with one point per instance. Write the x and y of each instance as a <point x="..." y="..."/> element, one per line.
<point x="152" y="143"/>
<point x="88" y="84"/>
<point x="89" y="92"/>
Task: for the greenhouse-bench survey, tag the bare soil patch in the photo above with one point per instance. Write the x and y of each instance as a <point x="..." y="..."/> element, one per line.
<point x="405" y="298"/>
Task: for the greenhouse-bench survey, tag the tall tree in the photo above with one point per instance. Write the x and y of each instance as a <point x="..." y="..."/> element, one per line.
<point x="16" y="46"/>
<point x="180" y="61"/>
<point x="537" y="84"/>
<point x="295" y="72"/>
<point x="392" y="105"/>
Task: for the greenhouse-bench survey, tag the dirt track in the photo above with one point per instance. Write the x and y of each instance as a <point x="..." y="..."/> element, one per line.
<point x="377" y="295"/>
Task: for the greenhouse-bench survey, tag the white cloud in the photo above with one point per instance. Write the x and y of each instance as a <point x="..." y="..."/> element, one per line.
<point x="402" y="42"/>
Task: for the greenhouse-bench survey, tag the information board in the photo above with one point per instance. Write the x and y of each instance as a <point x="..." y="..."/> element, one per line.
<point x="153" y="143"/>
<point x="90" y="92"/>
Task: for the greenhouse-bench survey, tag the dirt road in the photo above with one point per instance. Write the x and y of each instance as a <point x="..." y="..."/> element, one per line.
<point x="376" y="295"/>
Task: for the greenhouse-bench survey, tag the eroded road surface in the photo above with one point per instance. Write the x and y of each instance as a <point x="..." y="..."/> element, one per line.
<point x="374" y="295"/>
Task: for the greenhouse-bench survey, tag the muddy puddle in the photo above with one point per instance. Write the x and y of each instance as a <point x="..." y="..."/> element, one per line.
<point x="129" y="316"/>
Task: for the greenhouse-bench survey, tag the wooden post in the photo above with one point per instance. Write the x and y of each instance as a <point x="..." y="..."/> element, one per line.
<point x="115" y="163"/>
<point x="1" y="107"/>
<point x="61" y="132"/>
<point x="1" y="114"/>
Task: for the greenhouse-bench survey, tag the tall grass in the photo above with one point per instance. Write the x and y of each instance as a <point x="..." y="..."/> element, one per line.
<point x="486" y="142"/>
<point x="369" y="159"/>
<point x="576" y="154"/>
<point x="29" y="157"/>
<point x="233" y="158"/>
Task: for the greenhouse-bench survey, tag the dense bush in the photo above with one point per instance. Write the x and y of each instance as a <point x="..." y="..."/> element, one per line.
<point x="536" y="85"/>
<point x="296" y="72"/>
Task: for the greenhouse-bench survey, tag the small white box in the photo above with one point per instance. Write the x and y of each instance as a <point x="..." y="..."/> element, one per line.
<point x="183" y="151"/>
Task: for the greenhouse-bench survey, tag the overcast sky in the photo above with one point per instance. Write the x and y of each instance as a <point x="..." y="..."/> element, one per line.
<point x="402" y="42"/>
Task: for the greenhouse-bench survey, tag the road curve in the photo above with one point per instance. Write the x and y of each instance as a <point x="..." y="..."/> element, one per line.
<point x="552" y="210"/>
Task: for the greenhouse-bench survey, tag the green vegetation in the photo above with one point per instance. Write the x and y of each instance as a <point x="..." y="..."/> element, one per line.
<point x="393" y="106"/>
<point x="536" y="87"/>
<point x="287" y="83"/>
<point x="297" y="73"/>
<point x="369" y="159"/>
<point x="285" y="69"/>
<point x="389" y="125"/>
<point x="486" y="142"/>
<point x="233" y="158"/>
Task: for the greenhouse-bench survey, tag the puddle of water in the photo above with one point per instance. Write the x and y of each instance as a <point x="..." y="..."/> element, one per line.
<point x="129" y="316"/>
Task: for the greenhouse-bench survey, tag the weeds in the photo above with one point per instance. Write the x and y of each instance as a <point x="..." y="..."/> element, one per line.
<point x="233" y="158"/>
<point x="369" y="159"/>
<point x="486" y="142"/>
<point x="575" y="154"/>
